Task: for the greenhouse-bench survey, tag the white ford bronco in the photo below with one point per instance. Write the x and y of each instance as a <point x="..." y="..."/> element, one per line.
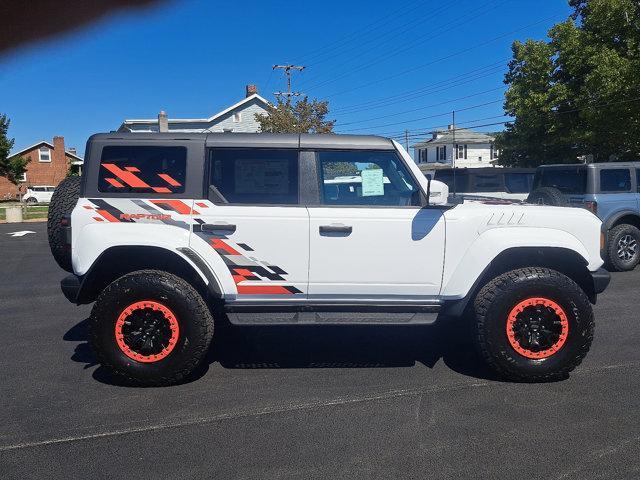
<point x="169" y="233"/>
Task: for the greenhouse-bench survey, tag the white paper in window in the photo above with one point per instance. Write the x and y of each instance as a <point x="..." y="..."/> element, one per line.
<point x="372" y="182"/>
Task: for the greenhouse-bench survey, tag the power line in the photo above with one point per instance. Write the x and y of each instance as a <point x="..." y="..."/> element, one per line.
<point x="471" y="16"/>
<point x="355" y="35"/>
<point x="424" y="118"/>
<point x="455" y="54"/>
<point x="442" y="85"/>
<point x="380" y="38"/>
<point x="427" y="106"/>
<point x="563" y="112"/>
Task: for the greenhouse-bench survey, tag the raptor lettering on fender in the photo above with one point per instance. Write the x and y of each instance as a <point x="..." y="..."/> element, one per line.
<point x="146" y="216"/>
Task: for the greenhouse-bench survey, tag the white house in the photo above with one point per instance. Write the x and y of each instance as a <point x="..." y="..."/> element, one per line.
<point x="239" y="117"/>
<point x="457" y="147"/>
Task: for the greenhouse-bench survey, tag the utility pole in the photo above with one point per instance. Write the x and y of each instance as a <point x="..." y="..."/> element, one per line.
<point x="406" y="140"/>
<point x="454" y="153"/>
<point x="287" y="71"/>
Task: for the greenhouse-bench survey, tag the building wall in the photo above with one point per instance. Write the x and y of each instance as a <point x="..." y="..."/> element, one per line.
<point x="478" y="155"/>
<point x="39" y="173"/>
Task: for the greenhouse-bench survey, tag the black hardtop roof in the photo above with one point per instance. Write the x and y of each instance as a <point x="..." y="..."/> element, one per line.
<point x="593" y="165"/>
<point x="464" y="170"/>
<point x="256" y="140"/>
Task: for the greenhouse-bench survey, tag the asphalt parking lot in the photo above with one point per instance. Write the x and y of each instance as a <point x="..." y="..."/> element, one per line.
<point x="305" y="402"/>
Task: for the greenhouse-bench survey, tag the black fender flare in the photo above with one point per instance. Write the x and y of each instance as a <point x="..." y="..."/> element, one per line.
<point x="608" y="224"/>
<point x="90" y="284"/>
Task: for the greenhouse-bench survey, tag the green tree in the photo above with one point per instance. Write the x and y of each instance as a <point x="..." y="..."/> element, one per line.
<point x="578" y="93"/>
<point x="302" y="117"/>
<point x="10" y="167"/>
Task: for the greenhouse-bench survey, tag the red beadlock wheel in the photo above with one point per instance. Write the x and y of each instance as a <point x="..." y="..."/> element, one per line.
<point x="537" y="328"/>
<point x="147" y="331"/>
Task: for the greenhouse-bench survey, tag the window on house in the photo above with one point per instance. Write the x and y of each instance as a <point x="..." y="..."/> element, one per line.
<point x="493" y="152"/>
<point x="461" y="151"/>
<point x="237" y="117"/>
<point x="441" y="152"/>
<point x="44" y="154"/>
<point x="22" y="178"/>
<point x="254" y="176"/>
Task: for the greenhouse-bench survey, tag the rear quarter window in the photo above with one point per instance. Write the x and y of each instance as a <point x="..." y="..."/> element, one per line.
<point x="142" y="169"/>
<point x="569" y="180"/>
<point x="518" y="182"/>
<point x="487" y="182"/>
<point x="615" y="180"/>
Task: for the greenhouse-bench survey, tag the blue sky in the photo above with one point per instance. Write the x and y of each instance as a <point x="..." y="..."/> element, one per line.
<point x="383" y="66"/>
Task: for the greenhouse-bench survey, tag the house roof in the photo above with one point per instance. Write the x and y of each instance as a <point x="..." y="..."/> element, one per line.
<point x="462" y="135"/>
<point x="248" y="99"/>
<point x="50" y="145"/>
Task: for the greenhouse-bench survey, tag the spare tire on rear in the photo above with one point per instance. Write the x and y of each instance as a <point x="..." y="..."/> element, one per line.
<point x="548" y="196"/>
<point x="63" y="201"/>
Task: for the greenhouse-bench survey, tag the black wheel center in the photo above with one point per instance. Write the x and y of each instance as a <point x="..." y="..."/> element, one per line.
<point x="537" y="328"/>
<point x="146" y="331"/>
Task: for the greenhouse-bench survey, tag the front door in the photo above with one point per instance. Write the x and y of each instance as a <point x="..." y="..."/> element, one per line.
<point x="252" y="227"/>
<point x="369" y="237"/>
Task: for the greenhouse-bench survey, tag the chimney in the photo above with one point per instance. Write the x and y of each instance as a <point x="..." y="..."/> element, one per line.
<point x="451" y="126"/>
<point x="251" y="90"/>
<point x="73" y="151"/>
<point x="58" y="144"/>
<point x="163" y="121"/>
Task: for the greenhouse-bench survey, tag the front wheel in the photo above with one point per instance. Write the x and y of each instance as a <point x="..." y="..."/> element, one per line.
<point x="151" y="327"/>
<point x="533" y="324"/>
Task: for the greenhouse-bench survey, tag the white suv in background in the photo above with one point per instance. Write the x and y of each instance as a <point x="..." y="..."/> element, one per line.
<point x="39" y="194"/>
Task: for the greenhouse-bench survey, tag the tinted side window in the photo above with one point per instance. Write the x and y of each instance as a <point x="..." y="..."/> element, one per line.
<point x="142" y="169"/>
<point x="615" y="180"/>
<point x="254" y="176"/>
<point x="572" y="180"/>
<point x="638" y="179"/>
<point x="518" y="182"/>
<point x="365" y="178"/>
<point x="447" y="177"/>
<point x="487" y="182"/>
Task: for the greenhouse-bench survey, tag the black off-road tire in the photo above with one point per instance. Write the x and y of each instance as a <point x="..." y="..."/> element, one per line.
<point x="63" y="200"/>
<point x="498" y="297"/>
<point x="193" y="317"/>
<point x="614" y="238"/>
<point x="548" y="196"/>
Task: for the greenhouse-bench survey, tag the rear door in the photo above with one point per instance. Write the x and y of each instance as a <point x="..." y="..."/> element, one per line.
<point x="251" y="225"/>
<point x="369" y="236"/>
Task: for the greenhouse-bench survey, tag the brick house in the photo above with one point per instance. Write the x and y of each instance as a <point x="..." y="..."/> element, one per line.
<point x="48" y="166"/>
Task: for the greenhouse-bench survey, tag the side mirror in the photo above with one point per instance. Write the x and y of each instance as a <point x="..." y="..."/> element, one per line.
<point x="437" y="192"/>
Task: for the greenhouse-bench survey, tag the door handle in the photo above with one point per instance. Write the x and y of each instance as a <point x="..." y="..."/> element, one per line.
<point x="336" y="228"/>
<point x="218" y="227"/>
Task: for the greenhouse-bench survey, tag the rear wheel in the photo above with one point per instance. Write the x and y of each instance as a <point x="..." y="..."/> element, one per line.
<point x="623" y="248"/>
<point x="533" y="324"/>
<point x="63" y="201"/>
<point x="32" y="200"/>
<point x="151" y="327"/>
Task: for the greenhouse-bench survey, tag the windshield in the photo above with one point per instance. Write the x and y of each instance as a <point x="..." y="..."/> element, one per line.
<point x="567" y="180"/>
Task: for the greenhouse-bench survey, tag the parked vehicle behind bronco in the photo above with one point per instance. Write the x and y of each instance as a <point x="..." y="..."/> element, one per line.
<point x="170" y="234"/>
<point x="610" y="191"/>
